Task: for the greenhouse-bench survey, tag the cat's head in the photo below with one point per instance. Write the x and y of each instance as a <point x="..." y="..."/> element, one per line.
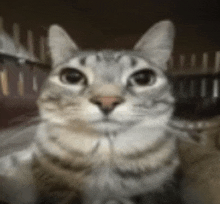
<point x="109" y="90"/>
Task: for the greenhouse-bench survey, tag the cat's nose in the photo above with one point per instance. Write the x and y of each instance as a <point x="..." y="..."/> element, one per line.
<point x="107" y="103"/>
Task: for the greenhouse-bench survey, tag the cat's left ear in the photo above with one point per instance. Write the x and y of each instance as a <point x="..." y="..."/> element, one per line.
<point x="61" y="45"/>
<point x="157" y="42"/>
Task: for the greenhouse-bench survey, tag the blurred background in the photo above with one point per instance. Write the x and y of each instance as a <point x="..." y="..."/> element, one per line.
<point x="119" y="23"/>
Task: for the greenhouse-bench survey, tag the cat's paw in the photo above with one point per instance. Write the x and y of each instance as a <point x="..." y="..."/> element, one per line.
<point x="15" y="192"/>
<point x="10" y="164"/>
<point x="16" y="184"/>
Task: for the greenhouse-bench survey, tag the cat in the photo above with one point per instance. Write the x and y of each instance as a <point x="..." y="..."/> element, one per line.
<point x="103" y="136"/>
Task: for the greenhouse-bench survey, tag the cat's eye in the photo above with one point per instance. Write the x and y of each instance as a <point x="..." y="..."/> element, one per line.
<point x="72" y="76"/>
<point x="144" y="77"/>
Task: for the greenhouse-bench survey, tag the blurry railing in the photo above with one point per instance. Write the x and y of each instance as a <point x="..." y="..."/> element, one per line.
<point x="196" y="84"/>
<point x="195" y="77"/>
<point x="22" y="72"/>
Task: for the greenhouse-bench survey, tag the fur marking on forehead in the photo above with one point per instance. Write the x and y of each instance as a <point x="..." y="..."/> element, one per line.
<point x="133" y="62"/>
<point x="87" y="61"/>
<point x="92" y="60"/>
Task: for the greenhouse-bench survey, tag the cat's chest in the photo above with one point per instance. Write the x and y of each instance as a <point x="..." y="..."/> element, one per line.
<point x="119" y="165"/>
<point x="111" y="145"/>
<point x="108" y="181"/>
<point x="116" y="174"/>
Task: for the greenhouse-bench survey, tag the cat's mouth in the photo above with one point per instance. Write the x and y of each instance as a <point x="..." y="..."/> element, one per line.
<point x="107" y="124"/>
<point x="107" y="121"/>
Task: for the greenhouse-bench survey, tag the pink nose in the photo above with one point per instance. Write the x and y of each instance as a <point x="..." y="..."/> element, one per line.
<point x="106" y="103"/>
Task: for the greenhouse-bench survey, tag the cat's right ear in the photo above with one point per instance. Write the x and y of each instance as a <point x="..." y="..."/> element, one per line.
<point x="61" y="45"/>
<point x="157" y="42"/>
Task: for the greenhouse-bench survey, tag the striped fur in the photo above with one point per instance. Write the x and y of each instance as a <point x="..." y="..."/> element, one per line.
<point x="80" y="151"/>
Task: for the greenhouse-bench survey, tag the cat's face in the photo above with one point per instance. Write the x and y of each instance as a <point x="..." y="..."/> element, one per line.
<point x="109" y="90"/>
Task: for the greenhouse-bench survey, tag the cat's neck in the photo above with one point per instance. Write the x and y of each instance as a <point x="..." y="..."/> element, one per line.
<point x="83" y="139"/>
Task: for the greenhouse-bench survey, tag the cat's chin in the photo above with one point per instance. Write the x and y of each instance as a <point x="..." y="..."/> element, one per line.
<point x="109" y="126"/>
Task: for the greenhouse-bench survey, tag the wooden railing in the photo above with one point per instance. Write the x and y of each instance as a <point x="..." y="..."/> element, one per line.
<point x="21" y="78"/>
<point x="196" y="76"/>
<point x="22" y="71"/>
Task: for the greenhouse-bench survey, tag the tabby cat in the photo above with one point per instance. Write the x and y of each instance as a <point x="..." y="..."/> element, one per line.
<point x="103" y="136"/>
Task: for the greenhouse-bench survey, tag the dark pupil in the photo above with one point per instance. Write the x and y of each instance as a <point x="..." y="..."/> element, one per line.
<point x="71" y="76"/>
<point x="144" y="77"/>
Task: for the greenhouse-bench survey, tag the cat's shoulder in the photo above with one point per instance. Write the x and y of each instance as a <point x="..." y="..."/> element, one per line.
<point x="17" y="183"/>
<point x="17" y="147"/>
<point x="11" y="163"/>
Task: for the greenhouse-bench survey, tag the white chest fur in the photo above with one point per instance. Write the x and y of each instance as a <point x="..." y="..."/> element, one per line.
<point x="107" y="153"/>
<point x="105" y="182"/>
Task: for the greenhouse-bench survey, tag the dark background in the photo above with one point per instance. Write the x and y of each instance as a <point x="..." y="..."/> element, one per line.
<point x="118" y="23"/>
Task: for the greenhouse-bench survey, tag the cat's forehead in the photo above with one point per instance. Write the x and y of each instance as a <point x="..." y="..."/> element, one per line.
<point x="108" y="59"/>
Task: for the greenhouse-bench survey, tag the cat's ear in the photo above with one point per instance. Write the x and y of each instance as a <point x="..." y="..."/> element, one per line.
<point x="157" y="42"/>
<point x="61" y="45"/>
